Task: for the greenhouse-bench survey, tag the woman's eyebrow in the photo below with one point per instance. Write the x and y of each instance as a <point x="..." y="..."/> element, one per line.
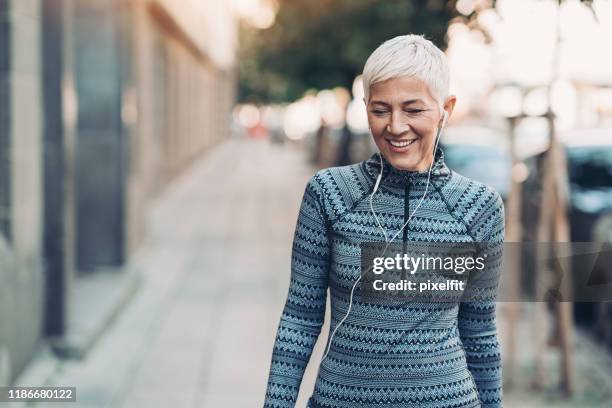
<point x="406" y="102"/>
<point x="411" y="101"/>
<point x="379" y="103"/>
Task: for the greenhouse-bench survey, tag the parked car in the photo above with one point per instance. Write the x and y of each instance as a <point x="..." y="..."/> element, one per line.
<point x="589" y="184"/>
<point x="589" y="162"/>
<point x="588" y="155"/>
<point x="479" y="153"/>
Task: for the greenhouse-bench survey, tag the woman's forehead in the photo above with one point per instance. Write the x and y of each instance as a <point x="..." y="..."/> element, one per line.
<point x="401" y="90"/>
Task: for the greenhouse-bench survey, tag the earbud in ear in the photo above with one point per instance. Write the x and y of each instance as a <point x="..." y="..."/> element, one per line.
<point x="443" y="120"/>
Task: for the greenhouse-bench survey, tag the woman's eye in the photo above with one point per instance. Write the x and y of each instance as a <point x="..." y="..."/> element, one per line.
<point x="378" y="112"/>
<point x="414" y="110"/>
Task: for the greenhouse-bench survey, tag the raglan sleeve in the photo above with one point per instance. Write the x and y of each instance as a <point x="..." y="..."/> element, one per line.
<point x="304" y="311"/>
<point x="477" y="315"/>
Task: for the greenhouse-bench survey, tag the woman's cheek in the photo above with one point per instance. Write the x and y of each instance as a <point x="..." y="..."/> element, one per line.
<point x="377" y="130"/>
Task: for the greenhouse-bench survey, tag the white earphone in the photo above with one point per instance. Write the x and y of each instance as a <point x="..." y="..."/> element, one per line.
<point x="388" y="241"/>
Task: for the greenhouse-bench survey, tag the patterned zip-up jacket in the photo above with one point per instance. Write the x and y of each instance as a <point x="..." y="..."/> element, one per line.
<point x="439" y="355"/>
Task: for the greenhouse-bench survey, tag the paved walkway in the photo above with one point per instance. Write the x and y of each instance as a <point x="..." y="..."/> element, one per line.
<point x="200" y="331"/>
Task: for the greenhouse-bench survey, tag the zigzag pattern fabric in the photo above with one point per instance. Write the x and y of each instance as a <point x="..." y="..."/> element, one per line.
<point x="442" y="355"/>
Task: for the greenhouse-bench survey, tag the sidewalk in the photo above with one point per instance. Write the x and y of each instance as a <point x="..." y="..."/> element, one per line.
<point x="200" y="331"/>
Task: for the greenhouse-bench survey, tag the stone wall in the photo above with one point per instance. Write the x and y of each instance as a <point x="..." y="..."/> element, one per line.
<point x="102" y="104"/>
<point x="21" y="280"/>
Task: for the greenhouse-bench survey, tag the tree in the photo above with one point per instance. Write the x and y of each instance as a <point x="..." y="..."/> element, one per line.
<point x="325" y="43"/>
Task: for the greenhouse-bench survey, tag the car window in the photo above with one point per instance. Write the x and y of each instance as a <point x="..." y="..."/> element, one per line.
<point x="487" y="164"/>
<point x="590" y="167"/>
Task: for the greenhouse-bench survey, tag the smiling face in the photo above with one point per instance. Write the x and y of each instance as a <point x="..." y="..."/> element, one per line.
<point x="404" y="119"/>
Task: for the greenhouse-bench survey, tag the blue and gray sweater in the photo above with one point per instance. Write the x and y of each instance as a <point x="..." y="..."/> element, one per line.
<point x="439" y="355"/>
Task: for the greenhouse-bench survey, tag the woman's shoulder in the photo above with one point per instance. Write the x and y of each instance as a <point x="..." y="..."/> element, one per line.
<point x="479" y="205"/>
<point x="337" y="175"/>
<point x="340" y="188"/>
<point x="462" y="189"/>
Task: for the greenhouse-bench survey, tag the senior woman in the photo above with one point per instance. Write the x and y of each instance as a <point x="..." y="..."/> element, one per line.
<point x="416" y="354"/>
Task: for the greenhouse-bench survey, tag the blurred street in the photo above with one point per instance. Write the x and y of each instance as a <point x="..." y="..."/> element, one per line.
<point x="154" y="153"/>
<point x="199" y="332"/>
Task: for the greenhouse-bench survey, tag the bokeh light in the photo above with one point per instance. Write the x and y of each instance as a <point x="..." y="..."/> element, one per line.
<point x="302" y="117"/>
<point x="248" y="115"/>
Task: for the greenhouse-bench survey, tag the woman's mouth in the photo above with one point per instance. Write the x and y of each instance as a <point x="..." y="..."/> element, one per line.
<point x="400" y="146"/>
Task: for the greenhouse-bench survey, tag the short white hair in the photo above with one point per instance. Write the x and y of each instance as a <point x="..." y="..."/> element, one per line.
<point x="408" y="55"/>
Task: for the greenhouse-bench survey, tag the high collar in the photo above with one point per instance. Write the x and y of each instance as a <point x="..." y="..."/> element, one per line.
<point x="396" y="177"/>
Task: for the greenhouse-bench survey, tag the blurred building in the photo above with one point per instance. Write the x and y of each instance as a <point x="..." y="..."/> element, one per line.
<point x="102" y="103"/>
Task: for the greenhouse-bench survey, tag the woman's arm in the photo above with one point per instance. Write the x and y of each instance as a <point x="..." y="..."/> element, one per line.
<point x="304" y="311"/>
<point x="476" y="319"/>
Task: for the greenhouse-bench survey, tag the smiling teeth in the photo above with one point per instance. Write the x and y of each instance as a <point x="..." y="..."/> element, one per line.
<point x="401" y="143"/>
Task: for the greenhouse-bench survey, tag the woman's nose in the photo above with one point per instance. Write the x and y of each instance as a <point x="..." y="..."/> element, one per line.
<point x="396" y="126"/>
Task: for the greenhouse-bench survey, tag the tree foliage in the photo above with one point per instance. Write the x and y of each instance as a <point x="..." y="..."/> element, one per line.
<point x="325" y="43"/>
<point x="317" y="44"/>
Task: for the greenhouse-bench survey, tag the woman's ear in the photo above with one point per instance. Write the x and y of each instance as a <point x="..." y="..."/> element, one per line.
<point x="449" y="105"/>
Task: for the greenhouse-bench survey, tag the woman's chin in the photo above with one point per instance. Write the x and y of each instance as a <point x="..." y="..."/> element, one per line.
<point x="406" y="157"/>
<point x="403" y="162"/>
